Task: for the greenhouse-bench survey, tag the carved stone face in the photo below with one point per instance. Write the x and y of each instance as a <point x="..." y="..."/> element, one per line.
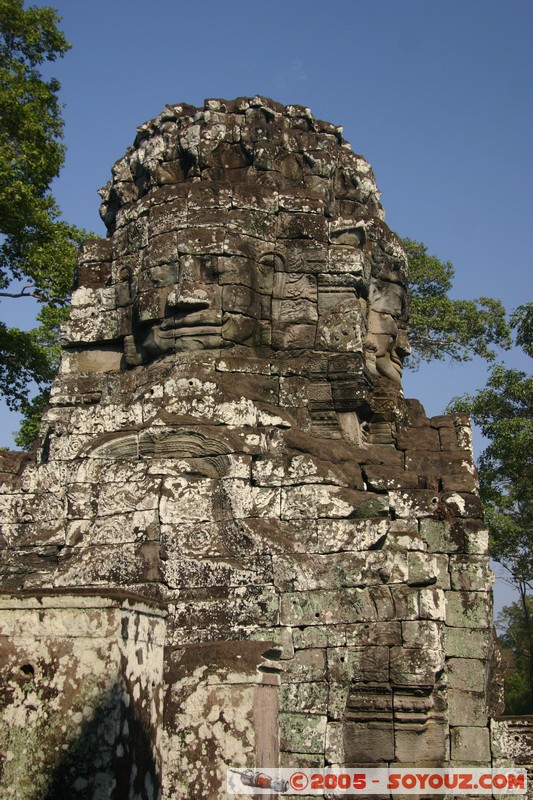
<point x="386" y="344"/>
<point x="187" y="314"/>
<point x="262" y="234"/>
<point x="219" y="286"/>
<point x="203" y="298"/>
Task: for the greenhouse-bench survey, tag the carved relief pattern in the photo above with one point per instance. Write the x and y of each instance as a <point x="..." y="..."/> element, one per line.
<point x="228" y="436"/>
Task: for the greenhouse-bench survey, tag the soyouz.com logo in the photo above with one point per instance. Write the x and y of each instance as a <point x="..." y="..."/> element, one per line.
<point x="463" y="781"/>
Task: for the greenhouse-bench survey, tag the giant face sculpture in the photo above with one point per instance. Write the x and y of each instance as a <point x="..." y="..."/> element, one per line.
<point x="247" y="296"/>
<point x="226" y="434"/>
<point x="224" y="240"/>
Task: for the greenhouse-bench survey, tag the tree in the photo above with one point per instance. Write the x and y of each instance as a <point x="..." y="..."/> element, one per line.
<point x="503" y="410"/>
<point x="440" y="327"/>
<point x="516" y="625"/>
<point x="37" y="247"/>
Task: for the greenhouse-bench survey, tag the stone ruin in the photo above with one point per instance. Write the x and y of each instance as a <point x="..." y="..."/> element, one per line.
<point x="236" y="543"/>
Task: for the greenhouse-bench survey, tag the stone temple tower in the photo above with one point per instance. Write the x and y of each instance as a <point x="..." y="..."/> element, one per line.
<point x="237" y="544"/>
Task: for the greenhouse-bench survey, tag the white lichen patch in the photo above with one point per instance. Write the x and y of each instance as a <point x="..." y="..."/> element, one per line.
<point x="458" y="501"/>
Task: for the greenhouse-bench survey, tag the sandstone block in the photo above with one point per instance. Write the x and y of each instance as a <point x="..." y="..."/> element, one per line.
<point x="470" y="573"/>
<point x="419" y="439"/>
<point x="466" y="643"/>
<point x="476" y="538"/>
<point x="422" y="634"/>
<point x="347" y="664"/>
<point x="190" y="572"/>
<point x="442" y="536"/>
<point x="334" y="747"/>
<point x="377" y="634"/>
<point x="470" y="745"/>
<point x="425" y="744"/>
<point x="383" y="478"/>
<point x="337" y="700"/>
<point x="426" y="569"/>
<point x="467" y="708"/>
<point x="468" y="610"/>
<point x="467" y="674"/>
<point x="432" y="604"/>
<point x="309" y="698"/>
<point x="301" y="761"/>
<point x="307" y="665"/>
<point x="411" y="667"/>
<point x="322" y="607"/>
<point x="370" y="742"/>
<point x="302" y="733"/>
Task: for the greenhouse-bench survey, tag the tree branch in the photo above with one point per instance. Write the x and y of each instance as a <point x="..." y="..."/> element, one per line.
<point x="23" y="293"/>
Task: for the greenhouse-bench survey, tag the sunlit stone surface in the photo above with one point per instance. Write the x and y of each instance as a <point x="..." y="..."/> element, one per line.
<point x="236" y="542"/>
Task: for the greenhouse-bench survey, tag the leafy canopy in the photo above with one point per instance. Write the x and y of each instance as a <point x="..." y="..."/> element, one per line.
<point x="440" y="327"/>
<point x="37" y="247"/>
<point x="515" y="623"/>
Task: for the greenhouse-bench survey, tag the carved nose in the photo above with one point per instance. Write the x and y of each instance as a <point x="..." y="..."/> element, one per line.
<point x="184" y="299"/>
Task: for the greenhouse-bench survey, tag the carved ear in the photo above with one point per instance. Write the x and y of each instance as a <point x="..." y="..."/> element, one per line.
<point x="132" y="356"/>
<point x="270" y="265"/>
<point x="273" y="259"/>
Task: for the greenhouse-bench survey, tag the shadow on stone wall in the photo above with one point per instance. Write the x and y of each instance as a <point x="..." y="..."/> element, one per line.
<point x="111" y="758"/>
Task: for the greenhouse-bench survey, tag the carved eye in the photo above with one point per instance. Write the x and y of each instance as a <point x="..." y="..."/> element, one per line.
<point x="209" y="268"/>
<point x="124" y="274"/>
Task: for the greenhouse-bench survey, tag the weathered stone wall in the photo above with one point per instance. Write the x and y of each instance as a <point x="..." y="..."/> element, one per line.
<point x="81" y="708"/>
<point x="512" y="745"/>
<point x="228" y="435"/>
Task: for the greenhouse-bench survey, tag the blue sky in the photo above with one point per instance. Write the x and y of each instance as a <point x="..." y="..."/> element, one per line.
<point x="435" y="94"/>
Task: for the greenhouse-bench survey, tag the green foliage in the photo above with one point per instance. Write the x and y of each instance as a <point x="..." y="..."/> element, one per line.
<point x="45" y="343"/>
<point x="516" y="625"/>
<point x="522" y="321"/>
<point x="21" y="359"/>
<point x="31" y="153"/>
<point x="37" y="248"/>
<point x="32" y="411"/>
<point x="441" y="327"/>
